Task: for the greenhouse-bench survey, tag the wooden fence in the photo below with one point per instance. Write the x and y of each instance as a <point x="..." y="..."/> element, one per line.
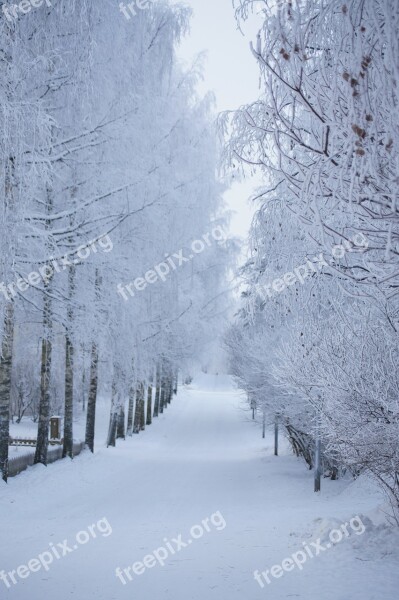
<point x="20" y="463"/>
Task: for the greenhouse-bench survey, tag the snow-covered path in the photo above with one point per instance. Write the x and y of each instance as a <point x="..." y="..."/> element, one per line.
<point x="202" y="456"/>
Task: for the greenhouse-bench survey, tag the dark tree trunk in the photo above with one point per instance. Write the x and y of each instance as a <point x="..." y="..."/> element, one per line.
<point x="84" y="394"/>
<point x="130" y="413"/>
<point x="157" y="392"/>
<point x="162" y="398"/>
<point x="5" y="388"/>
<point x="121" y="423"/>
<point x="69" y="355"/>
<point x="170" y="389"/>
<point x="111" y="440"/>
<point x="7" y="210"/>
<point x="176" y="382"/>
<point x="113" y="416"/>
<point x="44" y="405"/>
<point x="68" y="411"/>
<point x="139" y="417"/>
<point x="164" y="378"/>
<point x="317" y="465"/>
<point x="149" y="405"/>
<point x="93" y="385"/>
<point x="45" y="400"/>
<point x="91" y="405"/>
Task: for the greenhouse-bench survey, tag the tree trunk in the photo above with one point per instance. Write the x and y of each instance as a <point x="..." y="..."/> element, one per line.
<point x="143" y="411"/>
<point x="162" y="399"/>
<point x="83" y="384"/>
<point x="5" y="387"/>
<point x="139" y="413"/>
<point x="68" y="411"/>
<point x="169" y="388"/>
<point x="69" y="355"/>
<point x="157" y="392"/>
<point x="45" y="400"/>
<point x="113" y="421"/>
<point x="7" y="212"/>
<point x="93" y="385"/>
<point x="91" y="405"/>
<point x="253" y="407"/>
<point x="129" y="430"/>
<point x="121" y="423"/>
<point x="114" y="413"/>
<point x="276" y="436"/>
<point x="317" y="466"/>
<point x="44" y="405"/>
<point x="149" y="405"/>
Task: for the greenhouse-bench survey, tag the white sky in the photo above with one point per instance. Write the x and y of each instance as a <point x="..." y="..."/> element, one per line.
<point x="231" y="72"/>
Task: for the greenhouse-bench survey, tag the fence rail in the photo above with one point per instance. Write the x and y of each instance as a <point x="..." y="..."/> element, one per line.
<point x="26" y="442"/>
<point x="20" y="463"/>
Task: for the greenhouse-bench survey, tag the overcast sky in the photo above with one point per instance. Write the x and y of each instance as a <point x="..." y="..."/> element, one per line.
<point x="230" y="71"/>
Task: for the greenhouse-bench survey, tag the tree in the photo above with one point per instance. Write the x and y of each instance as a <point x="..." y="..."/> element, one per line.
<point x="322" y="277"/>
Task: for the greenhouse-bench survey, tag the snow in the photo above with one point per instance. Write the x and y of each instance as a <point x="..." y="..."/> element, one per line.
<point x="203" y="455"/>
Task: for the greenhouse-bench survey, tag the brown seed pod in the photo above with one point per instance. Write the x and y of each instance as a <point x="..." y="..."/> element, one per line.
<point x="359" y="131"/>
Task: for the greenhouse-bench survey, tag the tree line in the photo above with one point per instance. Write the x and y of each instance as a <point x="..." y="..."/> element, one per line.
<point x="320" y="351"/>
<point x="107" y="167"/>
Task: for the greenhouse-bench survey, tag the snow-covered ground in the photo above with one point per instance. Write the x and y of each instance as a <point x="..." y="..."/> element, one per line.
<point x="203" y="459"/>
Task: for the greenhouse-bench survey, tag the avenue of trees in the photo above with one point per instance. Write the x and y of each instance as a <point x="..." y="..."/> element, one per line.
<point x="107" y="169"/>
<point x="315" y="343"/>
